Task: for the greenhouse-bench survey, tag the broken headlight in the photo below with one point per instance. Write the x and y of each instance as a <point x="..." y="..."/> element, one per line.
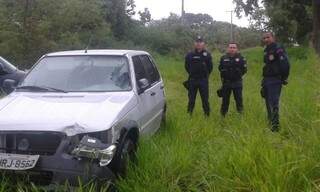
<point x="93" y="148"/>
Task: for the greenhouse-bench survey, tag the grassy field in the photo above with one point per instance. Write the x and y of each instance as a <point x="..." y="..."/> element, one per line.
<point x="238" y="153"/>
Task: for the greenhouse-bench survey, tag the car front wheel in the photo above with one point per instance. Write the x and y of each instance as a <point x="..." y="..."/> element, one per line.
<point x="126" y="152"/>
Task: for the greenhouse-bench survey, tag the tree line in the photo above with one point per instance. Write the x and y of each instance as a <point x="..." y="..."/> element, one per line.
<point x="293" y="21"/>
<point x="31" y="28"/>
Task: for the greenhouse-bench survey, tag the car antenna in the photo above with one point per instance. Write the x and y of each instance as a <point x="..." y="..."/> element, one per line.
<point x="89" y="42"/>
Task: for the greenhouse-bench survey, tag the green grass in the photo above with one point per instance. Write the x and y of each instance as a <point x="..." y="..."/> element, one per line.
<point x="238" y="153"/>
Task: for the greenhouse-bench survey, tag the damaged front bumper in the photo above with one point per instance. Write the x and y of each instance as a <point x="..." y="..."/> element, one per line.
<point x="64" y="168"/>
<point x="76" y="158"/>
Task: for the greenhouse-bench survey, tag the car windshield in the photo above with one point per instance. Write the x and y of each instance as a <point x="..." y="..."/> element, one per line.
<point x="80" y="74"/>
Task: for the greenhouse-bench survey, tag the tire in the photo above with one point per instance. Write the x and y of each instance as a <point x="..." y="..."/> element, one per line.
<point x="164" y="116"/>
<point x="125" y="153"/>
<point x="112" y="189"/>
<point x="108" y="186"/>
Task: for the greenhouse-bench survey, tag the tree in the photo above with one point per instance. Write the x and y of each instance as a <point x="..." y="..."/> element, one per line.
<point x="289" y="19"/>
<point x="316" y="25"/>
<point x="197" y="20"/>
<point x="145" y="16"/>
<point x="130" y="8"/>
<point x="118" y="13"/>
<point x="31" y="28"/>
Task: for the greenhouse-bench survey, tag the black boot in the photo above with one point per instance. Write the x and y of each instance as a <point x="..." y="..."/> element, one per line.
<point x="223" y="112"/>
<point x="275" y="124"/>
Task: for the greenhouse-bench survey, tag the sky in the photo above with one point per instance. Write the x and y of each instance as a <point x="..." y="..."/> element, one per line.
<point x="216" y="8"/>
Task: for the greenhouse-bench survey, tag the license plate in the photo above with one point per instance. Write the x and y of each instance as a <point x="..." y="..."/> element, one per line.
<point x="17" y="162"/>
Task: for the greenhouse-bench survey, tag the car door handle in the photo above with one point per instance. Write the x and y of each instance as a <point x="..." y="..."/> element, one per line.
<point x="162" y="87"/>
<point x="152" y="93"/>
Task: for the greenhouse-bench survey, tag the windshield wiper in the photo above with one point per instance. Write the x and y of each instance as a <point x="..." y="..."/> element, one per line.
<point x="41" y="88"/>
<point x="56" y="90"/>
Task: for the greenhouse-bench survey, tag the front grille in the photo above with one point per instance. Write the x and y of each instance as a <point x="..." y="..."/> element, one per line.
<point x="30" y="143"/>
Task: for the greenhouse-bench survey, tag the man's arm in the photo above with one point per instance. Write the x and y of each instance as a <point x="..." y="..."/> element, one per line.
<point x="284" y="64"/>
<point x="187" y="63"/>
<point x="220" y="64"/>
<point x="244" y="65"/>
<point x="222" y="68"/>
<point x="210" y="64"/>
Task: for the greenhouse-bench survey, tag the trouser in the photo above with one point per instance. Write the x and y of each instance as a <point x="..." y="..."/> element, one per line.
<point x="272" y="96"/>
<point x="202" y="86"/>
<point x="237" y="94"/>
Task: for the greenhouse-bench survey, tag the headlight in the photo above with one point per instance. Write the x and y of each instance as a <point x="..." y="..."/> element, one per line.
<point x="93" y="148"/>
<point x="107" y="155"/>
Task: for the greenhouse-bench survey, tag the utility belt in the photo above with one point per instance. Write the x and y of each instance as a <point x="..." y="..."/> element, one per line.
<point x="226" y="81"/>
<point x="200" y="77"/>
<point x="232" y="74"/>
<point x="278" y="76"/>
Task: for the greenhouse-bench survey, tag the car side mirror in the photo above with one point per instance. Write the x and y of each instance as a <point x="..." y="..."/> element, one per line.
<point x="9" y="85"/>
<point x="142" y="85"/>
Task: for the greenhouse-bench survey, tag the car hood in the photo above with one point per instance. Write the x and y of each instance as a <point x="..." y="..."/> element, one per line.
<point x="70" y="113"/>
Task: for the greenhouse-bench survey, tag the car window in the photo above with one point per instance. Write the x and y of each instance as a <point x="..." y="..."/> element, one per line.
<point x="150" y="69"/>
<point x="81" y="73"/>
<point x="157" y="74"/>
<point x="139" y="70"/>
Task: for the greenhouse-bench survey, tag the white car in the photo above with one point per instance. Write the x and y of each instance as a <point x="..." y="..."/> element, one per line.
<point x="80" y="114"/>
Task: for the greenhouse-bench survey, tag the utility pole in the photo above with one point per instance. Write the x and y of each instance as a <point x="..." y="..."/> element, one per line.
<point x="231" y="28"/>
<point x="182" y="9"/>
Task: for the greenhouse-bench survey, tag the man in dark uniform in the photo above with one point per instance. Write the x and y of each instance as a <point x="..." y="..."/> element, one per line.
<point x="232" y="67"/>
<point x="198" y="64"/>
<point x="275" y="74"/>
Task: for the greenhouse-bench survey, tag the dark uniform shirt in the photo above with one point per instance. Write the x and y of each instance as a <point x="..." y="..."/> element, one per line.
<point x="232" y="68"/>
<point x="276" y="63"/>
<point x="198" y="64"/>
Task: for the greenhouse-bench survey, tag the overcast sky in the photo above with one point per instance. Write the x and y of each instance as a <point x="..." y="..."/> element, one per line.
<point x="216" y="8"/>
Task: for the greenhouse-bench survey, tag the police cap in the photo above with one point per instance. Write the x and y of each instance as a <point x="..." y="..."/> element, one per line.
<point x="199" y="39"/>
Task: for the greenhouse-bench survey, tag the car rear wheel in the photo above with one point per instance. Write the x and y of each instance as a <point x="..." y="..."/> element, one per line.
<point x="164" y="116"/>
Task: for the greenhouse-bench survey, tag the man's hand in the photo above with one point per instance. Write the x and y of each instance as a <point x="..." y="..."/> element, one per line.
<point x="284" y="82"/>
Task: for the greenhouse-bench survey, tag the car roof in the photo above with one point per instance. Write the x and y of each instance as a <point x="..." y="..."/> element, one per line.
<point x="98" y="52"/>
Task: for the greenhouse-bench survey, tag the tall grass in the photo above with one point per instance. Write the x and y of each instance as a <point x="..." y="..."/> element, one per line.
<point x="236" y="153"/>
<point x="239" y="152"/>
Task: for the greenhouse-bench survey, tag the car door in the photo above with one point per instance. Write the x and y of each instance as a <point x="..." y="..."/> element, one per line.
<point x="144" y="96"/>
<point x="155" y="92"/>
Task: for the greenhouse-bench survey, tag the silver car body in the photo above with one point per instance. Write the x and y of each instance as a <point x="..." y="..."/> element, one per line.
<point x="73" y="113"/>
<point x="85" y="112"/>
